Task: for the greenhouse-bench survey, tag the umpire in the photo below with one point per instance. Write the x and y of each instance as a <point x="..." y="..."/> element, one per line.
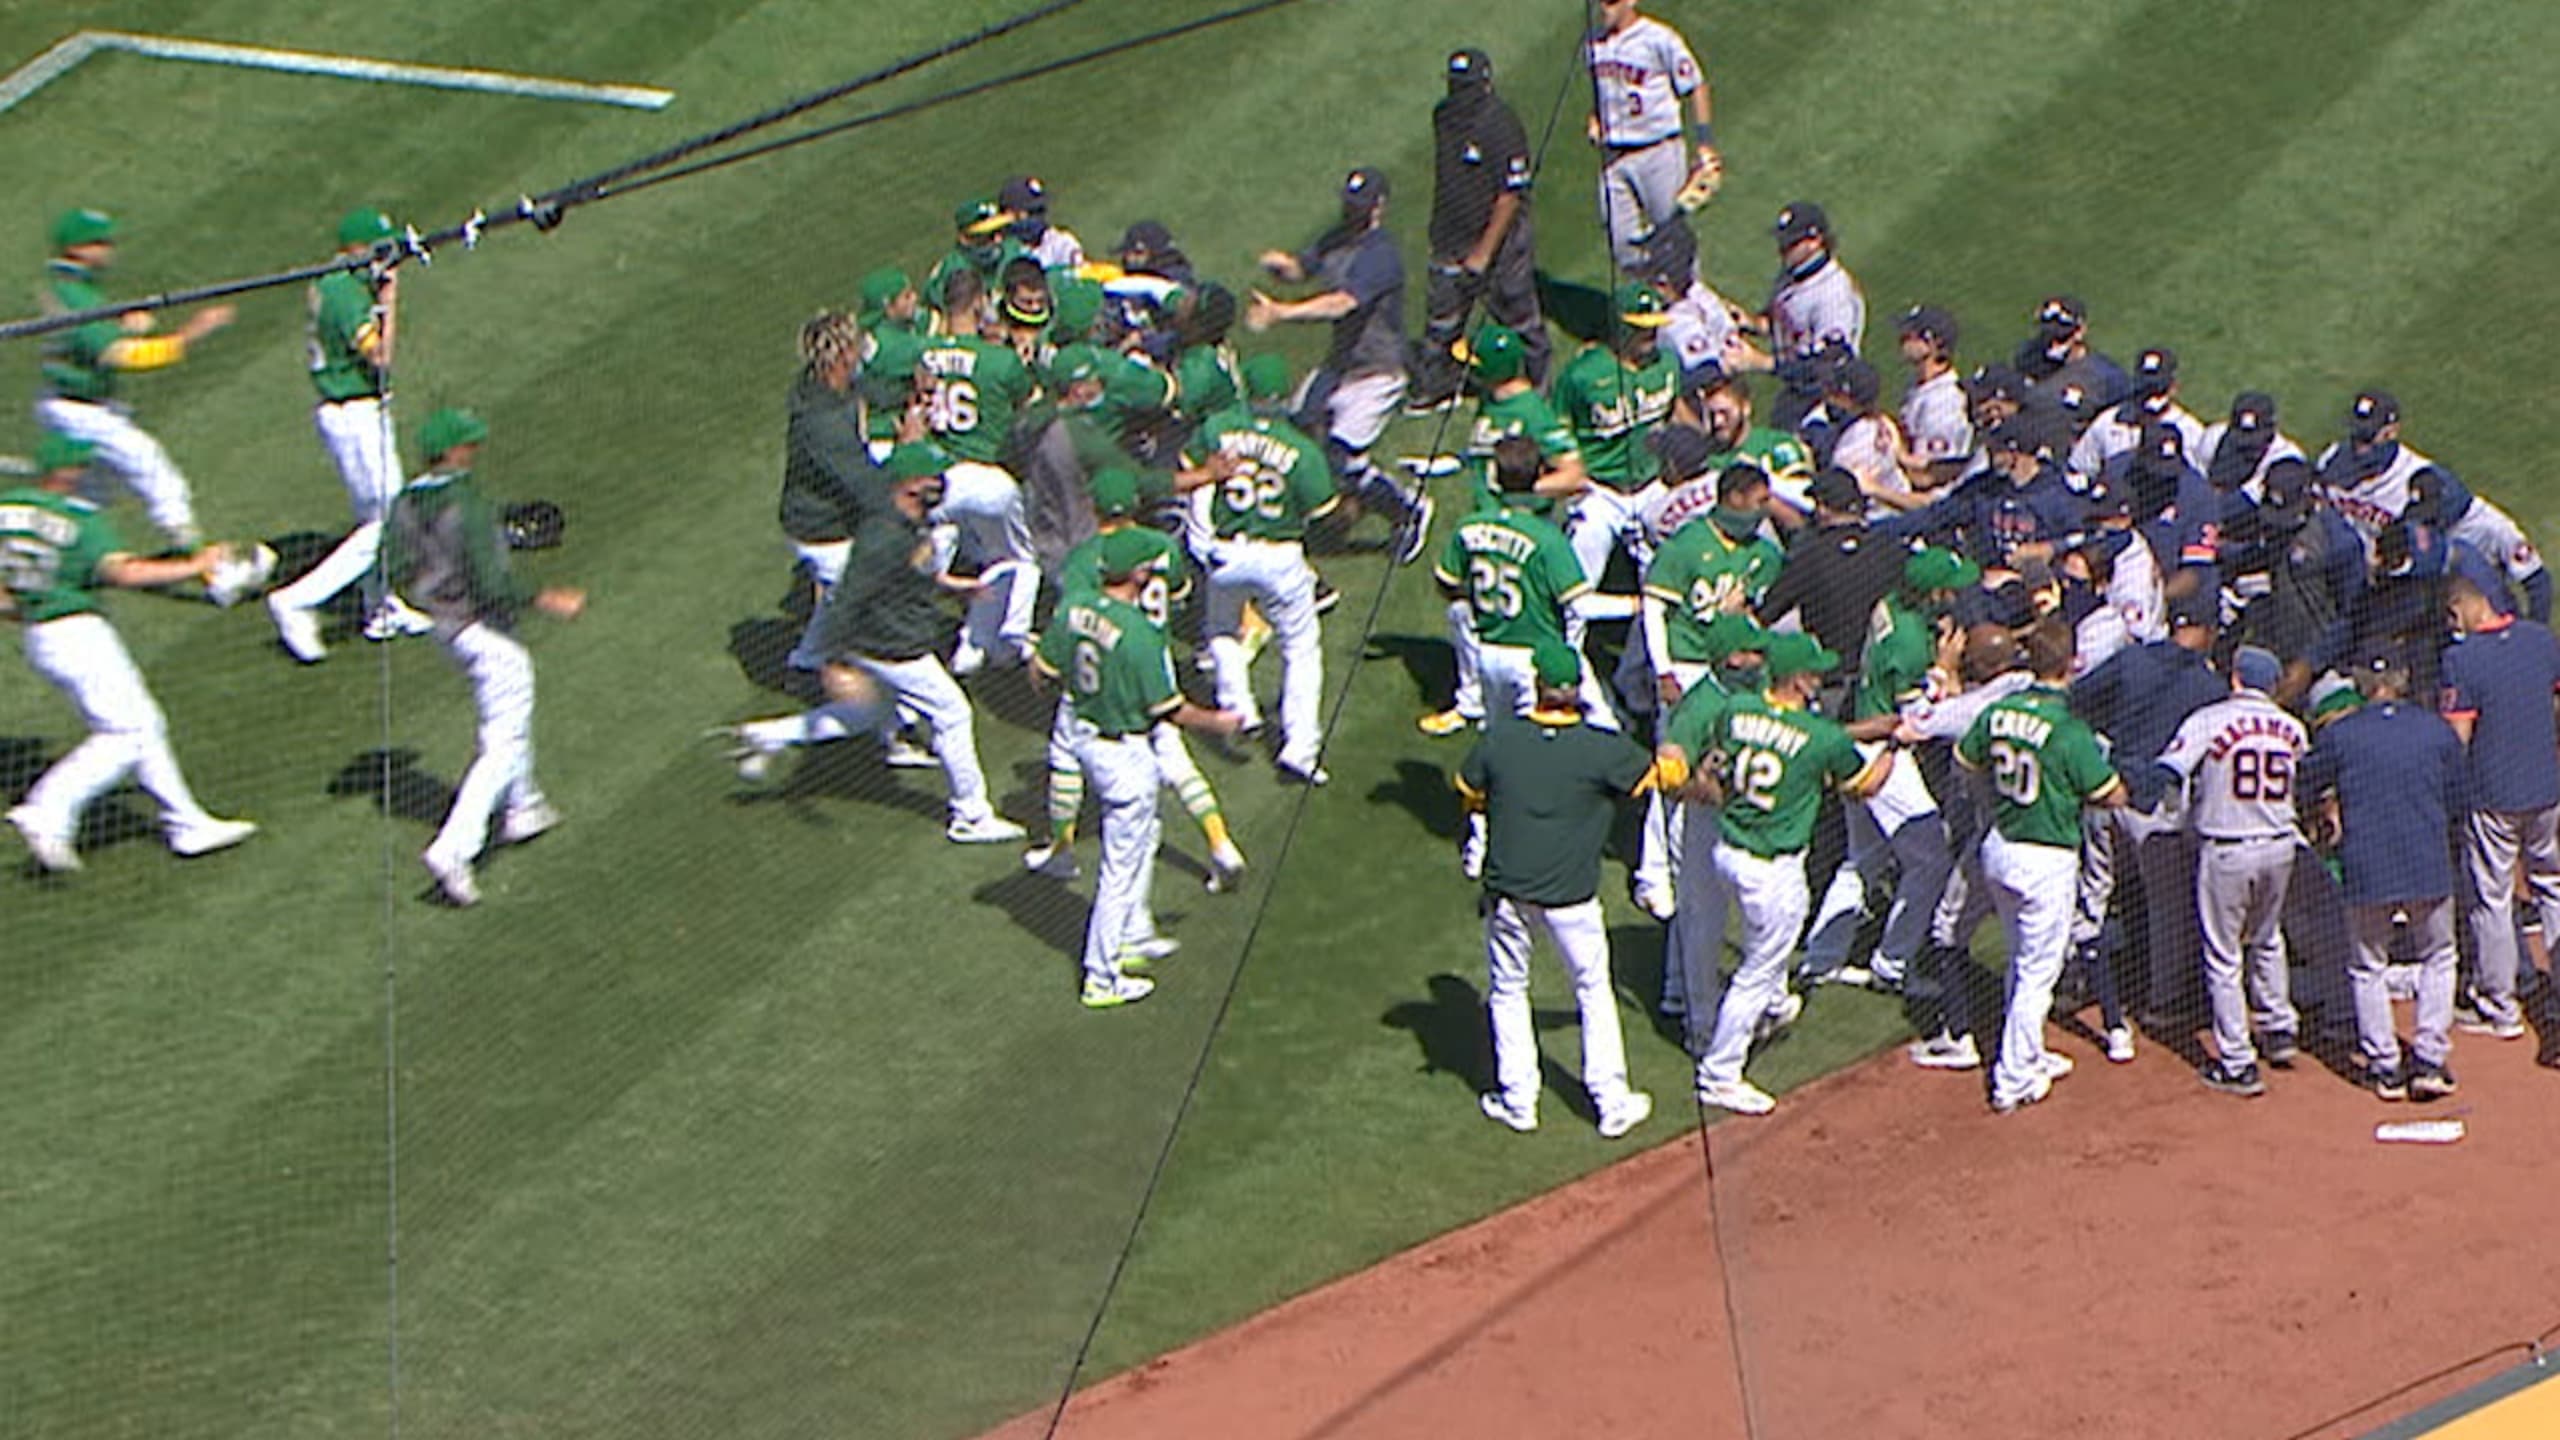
<point x="1480" y="240"/>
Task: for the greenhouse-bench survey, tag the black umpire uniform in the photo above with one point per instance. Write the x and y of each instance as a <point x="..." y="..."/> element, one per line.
<point x="1482" y="156"/>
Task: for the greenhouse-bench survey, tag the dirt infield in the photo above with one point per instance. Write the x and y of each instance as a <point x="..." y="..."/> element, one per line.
<point x="2135" y="1257"/>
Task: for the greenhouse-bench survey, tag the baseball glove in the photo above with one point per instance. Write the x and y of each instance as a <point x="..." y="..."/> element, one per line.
<point x="240" y="571"/>
<point x="1704" y="181"/>
<point x="534" y="525"/>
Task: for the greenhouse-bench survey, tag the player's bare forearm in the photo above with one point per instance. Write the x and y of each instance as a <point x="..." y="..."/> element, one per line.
<point x="1564" y="481"/>
<point x="560" y="602"/>
<point x="1331" y="305"/>
<point x="1506" y="208"/>
<point x="1206" y="721"/>
<point x="135" y="572"/>
<point x="1874" y="727"/>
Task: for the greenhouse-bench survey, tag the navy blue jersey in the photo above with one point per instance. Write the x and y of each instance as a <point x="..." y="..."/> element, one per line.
<point x="2502" y="679"/>
<point x="2137" y="699"/>
<point x="1988" y="516"/>
<point x="2397" y="772"/>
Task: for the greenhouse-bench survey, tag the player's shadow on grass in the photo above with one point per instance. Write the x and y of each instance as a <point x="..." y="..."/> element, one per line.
<point x="851" y="769"/>
<point x="762" y="647"/>
<point x="1428" y="662"/>
<point x="394" y="782"/>
<point x="1051" y="911"/>
<point x="1423" y="791"/>
<point x="1450" y="1028"/>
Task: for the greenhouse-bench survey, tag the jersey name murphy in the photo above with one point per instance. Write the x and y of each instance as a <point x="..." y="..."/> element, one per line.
<point x="1768" y="732"/>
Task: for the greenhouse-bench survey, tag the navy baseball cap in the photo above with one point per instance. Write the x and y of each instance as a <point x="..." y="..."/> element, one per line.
<point x="2372" y="410"/>
<point x="2287" y="491"/>
<point x="2154" y="370"/>
<point x="1995" y="382"/>
<point x="1855" y="378"/>
<point x="1801" y="221"/>
<point x="2253" y="412"/>
<point x="1364" y="189"/>
<point x="2108" y="502"/>
<point x="1837" y="489"/>
<point x="1933" y="323"/>
<point x="2059" y="315"/>
<point x="2196" y="610"/>
<point x="1668" y="258"/>
<point x="1685" y="451"/>
<point x="1146" y="237"/>
<point x="1024" y="195"/>
<point x="1470" y="66"/>
<point x="2256" y="668"/>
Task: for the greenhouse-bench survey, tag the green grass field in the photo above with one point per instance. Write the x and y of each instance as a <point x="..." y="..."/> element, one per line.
<point x="749" y="1114"/>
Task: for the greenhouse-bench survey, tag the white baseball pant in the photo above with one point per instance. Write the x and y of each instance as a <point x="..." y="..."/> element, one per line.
<point x="2495" y="842"/>
<point x="500" y="670"/>
<point x="1469" y="700"/>
<point x="1658" y="843"/>
<point x="1275" y="576"/>
<point x="1122" y="773"/>
<point x="2034" y="887"/>
<point x="1773" y="898"/>
<point x="1581" y="937"/>
<point x="1602" y="518"/>
<point x="1509" y="679"/>
<point x="1357" y="407"/>
<point x="1639" y="190"/>
<point x="1872" y="824"/>
<point x="358" y="436"/>
<point x="83" y="658"/>
<point x="131" y="452"/>
<point x="920" y="687"/>
<point x="2369" y="928"/>
<point x="1693" y="947"/>
<point x="825" y="560"/>
<point x="2240" y="888"/>
<point x="985" y="502"/>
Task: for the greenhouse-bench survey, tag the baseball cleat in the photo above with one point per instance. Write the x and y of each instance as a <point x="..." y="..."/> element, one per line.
<point x="240" y="573"/>
<point x="1149" y="951"/>
<point x="1226" y="870"/>
<point x="526" y="821"/>
<point x="966" y="661"/>
<point x="298" y="630"/>
<point x="2120" y="1045"/>
<point x="2495" y="1029"/>
<point x="1422" y="407"/>
<point x="2011" y="1104"/>
<point x="1441" y="723"/>
<point x="1053" y="860"/>
<point x="395" y="617"/>
<point x="1627" y="1114"/>
<point x="1326" y="598"/>
<point x="453" y="879"/>
<point x="2057" y="1065"/>
<point x="2279" y="1048"/>
<point x="1430" y="467"/>
<point x="208" y="835"/>
<point x="905" y="754"/>
<point x="1943" y="1051"/>
<point x="1501" y="1111"/>
<point x="1739" y="1096"/>
<point x="1116" y="991"/>
<point x="52" y="852"/>
<point x="754" y="761"/>
<point x="2388" y="1082"/>
<point x="990" y="830"/>
<point x="2430" y="1082"/>
<point x="2242" y="1080"/>
<point x="1413" y="533"/>
<point x="1781" y="1014"/>
<point x="1310" y="775"/>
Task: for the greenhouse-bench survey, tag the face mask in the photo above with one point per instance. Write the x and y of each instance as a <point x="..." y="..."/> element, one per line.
<point x="1745" y="677"/>
<point x="1736" y="523"/>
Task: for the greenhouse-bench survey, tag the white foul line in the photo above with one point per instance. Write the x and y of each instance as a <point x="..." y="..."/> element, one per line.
<point x="27" y="79"/>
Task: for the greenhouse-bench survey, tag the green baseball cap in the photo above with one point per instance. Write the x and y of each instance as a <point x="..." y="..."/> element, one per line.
<point x="1135" y="386"/>
<point x="1079" y="361"/>
<point x="450" y="427"/>
<point x="1931" y="568"/>
<point x="2333" y="695"/>
<point x="1115" y="492"/>
<point x="980" y="218"/>
<point x="1127" y="551"/>
<point x="1637" y="304"/>
<point x="1556" y="663"/>
<point x="1074" y="302"/>
<point x="58" y="451"/>
<point x="1733" y="633"/>
<point x="1266" y="377"/>
<point x="917" y="457"/>
<point x="83" y="226"/>
<point x="1792" y="652"/>
<point x="882" y="286"/>
<point x="365" y="226"/>
<point x="1496" y="354"/>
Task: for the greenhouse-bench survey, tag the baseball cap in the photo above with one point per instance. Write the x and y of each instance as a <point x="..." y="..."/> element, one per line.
<point x="82" y="226"/>
<point x="1934" y="568"/>
<point x="450" y="427"/>
<point x="57" y="451"/>
<point x="2059" y="315"/>
<point x="1837" y="489"/>
<point x="1556" y="663"/>
<point x="2072" y="402"/>
<point x="1638" y="304"/>
<point x="1074" y="302"/>
<point x="1078" y="361"/>
<point x="1469" y="66"/>
<point x="2153" y="372"/>
<point x="1115" y="491"/>
<point x="2197" y="610"/>
<point x="1127" y="551"/>
<point x="2164" y="449"/>
<point x="1792" y="652"/>
<point x="1854" y="377"/>
<point x="979" y="218"/>
<point x="882" y="286"/>
<point x="1266" y="377"/>
<point x="1146" y="237"/>
<point x="1995" y="381"/>
<point x="1497" y="353"/>
<point x="1023" y="195"/>
<point x="2253" y="412"/>
<point x="1933" y="323"/>
<point x="2256" y="668"/>
<point x="2107" y="502"/>
<point x="2370" y="411"/>
<point x="2428" y="489"/>
<point x="921" y="457"/>
<point x="365" y="226"/>
<point x="1800" y="221"/>
<point x="2287" y="490"/>
<point x="2017" y="435"/>
<point x="2332" y="695"/>
<point x="1685" y="451"/>
<point x="1669" y="256"/>
<point x="1131" y="386"/>
<point x="1730" y="633"/>
<point x="1364" y="189"/>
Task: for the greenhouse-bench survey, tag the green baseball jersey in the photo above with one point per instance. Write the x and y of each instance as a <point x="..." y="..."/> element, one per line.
<point x="1783" y="457"/>
<point x="1118" y="673"/>
<point x="2044" y="762"/>
<point x="1614" y="408"/>
<point x="1692" y="723"/>
<point x="988" y="260"/>
<point x="1518" y="572"/>
<point x="890" y="353"/>
<point x="1206" y="381"/>
<point x="1778" y="761"/>
<point x="978" y="387"/>
<point x="1902" y="645"/>
<point x="1281" y="480"/>
<point x="1168" y="575"/>
<point x="346" y="317"/>
<point x="1550" y="788"/>
<point x="1498" y="418"/>
<point x="1701" y="572"/>
<point x="50" y="546"/>
<point x="889" y="605"/>
<point x="74" y="364"/>
<point x="1132" y="389"/>
<point x="446" y="553"/>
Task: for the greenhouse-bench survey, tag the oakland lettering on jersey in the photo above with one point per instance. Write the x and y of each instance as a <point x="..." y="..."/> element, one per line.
<point x="2022" y="726"/>
<point x="1768" y="732"/>
<point x="58" y="531"/>
<point x="1635" y="406"/>
<point x="1095" y="626"/>
<point x="1481" y="536"/>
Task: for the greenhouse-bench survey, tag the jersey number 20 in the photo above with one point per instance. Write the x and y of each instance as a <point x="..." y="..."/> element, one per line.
<point x="2017" y="774"/>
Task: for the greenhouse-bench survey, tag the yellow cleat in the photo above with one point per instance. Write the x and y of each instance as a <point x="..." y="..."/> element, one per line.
<point x="1441" y="723"/>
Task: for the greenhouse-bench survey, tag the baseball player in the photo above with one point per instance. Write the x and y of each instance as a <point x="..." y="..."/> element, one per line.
<point x="1026" y="199"/>
<point x="56" y="552"/>
<point x="1167" y="579"/>
<point x="1351" y="396"/>
<point x="1698" y="324"/>
<point x="354" y="320"/>
<point x="1265" y="479"/>
<point x="876" y="643"/>
<point x="1482" y="251"/>
<point x="973" y="388"/>
<point x="2384" y="783"/>
<point x="1641" y="73"/>
<point x="2237" y="759"/>
<point x="1937" y="429"/>
<point x="1816" y="312"/>
<point x="981" y="247"/>
<point x="2498" y="681"/>
<point x="2045" y="764"/>
<point x="1549" y="786"/>
<point x="1779" y="757"/>
<point x="446" y="554"/>
<point x="82" y="369"/>
<point x="1693" y="945"/>
<point x="2237" y="450"/>
<point x="2058" y="358"/>
<point x="2120" y="430"/>
<point x="1615" y="396"/>
<point x="2366" y="476"/>
<point x="2437" y="497"/>
<point x="1118" y="679"/>
<point x="1720" y="405"/>
<point x="829" y="480"/>
<point x="893" y="340"/>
